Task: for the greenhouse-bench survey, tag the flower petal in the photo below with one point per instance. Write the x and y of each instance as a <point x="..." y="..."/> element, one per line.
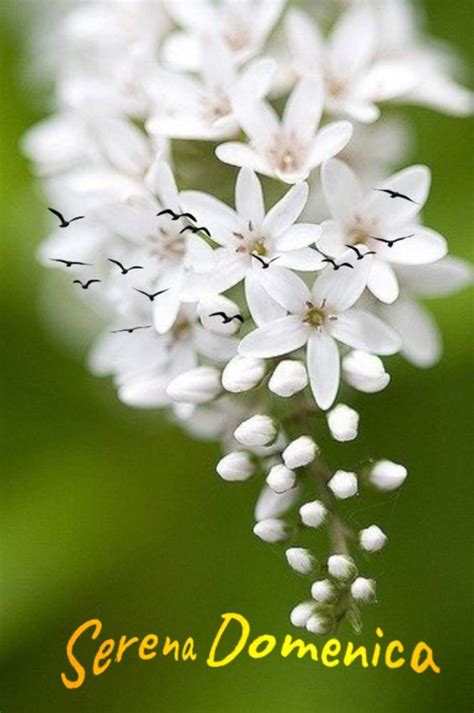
<point x="437" y="279"/>
<point x="286" y="211"/>
<point x="304" y="259"/>
<point x="298" y="236"/>
<point x="424" y="247"/>
<point x="303" y="109"/>
<point x="323" y="368"/>
<point x="286" y="288"/>
<point x="238" y="154"/>
<point x="413" y="182"/>
<point x="383" y="281"/>
<point x="249" y="197"/>
<point x="218" y="217"/>
<point x="353" y="41"/>
<point x="332" y="238"/>
<point x="276" y="338"/>
<point x="329" y="142"/>
<point x="342" y="190"/>
<point x="420" y="336"/>
<point x="362" y="330"/>
<point x="342" y="288"/>
<point x="262" y="307"/>
<point x="165" y="310"/>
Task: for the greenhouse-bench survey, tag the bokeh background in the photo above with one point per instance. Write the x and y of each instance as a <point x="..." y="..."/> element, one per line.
<point x="111" y="513"/>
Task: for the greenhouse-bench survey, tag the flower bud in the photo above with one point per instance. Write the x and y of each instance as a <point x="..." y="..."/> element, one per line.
<point x="300" y="452"/>
<point x="258" y="430"/>
<point x="242" y="373"/>
<point x="343" y="484"/>
<point x="364" y="371"/>
<point x="341" y="566"/>
<point x="343" y="423"/>
<point x="387" y="475"/>
<point x="218" y="323"/>
<point x="323" y="591"/>
<point x="301" y="613"/>
<point x="271" y="530"/>
<point x="288" y="378"/>
<point x="235" y="466"/>
<point x="319" y="624"/>
<point x="300" y="559"/>
<point x="195" y="386"/>
<point x="280" y="478"/>
<point x="271" y="504"/>
<point x="372" y="539"/>
<point x="363" y="590"/>
<point x="313" y="513"/>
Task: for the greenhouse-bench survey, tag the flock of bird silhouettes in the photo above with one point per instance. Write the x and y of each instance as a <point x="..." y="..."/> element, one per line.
<point x="226" y="319"/>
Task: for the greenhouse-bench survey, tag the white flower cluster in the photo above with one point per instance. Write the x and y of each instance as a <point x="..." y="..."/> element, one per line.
<point x="243" y="319"/>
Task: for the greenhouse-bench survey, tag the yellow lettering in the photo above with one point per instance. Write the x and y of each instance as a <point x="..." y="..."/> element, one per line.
<point x="81" y="674"/>
<point x="227" y="618"/>
<point x="428" y="662"/>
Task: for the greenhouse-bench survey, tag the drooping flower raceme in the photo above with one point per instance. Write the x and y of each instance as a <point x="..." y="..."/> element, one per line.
<point x="246" y="321"/>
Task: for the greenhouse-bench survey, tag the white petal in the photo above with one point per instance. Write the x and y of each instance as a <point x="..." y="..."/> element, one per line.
<point x="383" y="281"/>
<point x="286" y="211"/>
<point x="256" y="78"/>
<point x="257" y="118"/>
<point x="303" y="109"/>
<point x="304" y="39"/>
<point x="249" y="197"/>
<point x="332" y="238"/>
<point x="276" y="338"/>
<point x="413" y="182"/>
<point x="165" y="310"/>
<point x="329" y="142"/>
<point x="437" y="279"/>
<point x="422" y="343"/>
<point x="342" y="288"/>
<point x="217" y="347"/>
<point x="385" y="80"/>
<point x="238" y="154"/>
<point x="362" y="330"/>
<point x="323" y="368"/>
<point x="262" y="307"/>
<point x="166" y="186"/>
<point x="211" y="212"/>
<point x="342" y="190"/>
<point x="304" y="259"/>
<point x="425" y="246"/>
<point x="286" y="288"/>
<point x="298" y="236"/>
<point x="353" y="41"/>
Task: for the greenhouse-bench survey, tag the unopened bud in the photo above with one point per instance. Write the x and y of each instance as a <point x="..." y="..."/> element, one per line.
<point x="313" y="513"/>
<point x="271" y="504"/>
<point x="343" y="423"/>
<point x="387" y="475"/>
<point x="323" y="591"/>
<point x="300" y="559"/>
<point x="227" y="323"/>
<point x="319" y="624"/>
<point x="363" y="590"/>
<point x="300" y="452"/>
<point x="242" y="373"/>
<point x="341" y="567"/>
<point x="343" y="484"/>
<point x="301" y="613"/>
<point x="235" y="466"/>
<point x="280" y="478"/>
<point x="258" y="430"/>
<point x="271" y="530"/>
<point x="372" y="539"/>
<point x="364" y="371"/>
<point x="196" y="386"/>
<point x="289" y="378"/>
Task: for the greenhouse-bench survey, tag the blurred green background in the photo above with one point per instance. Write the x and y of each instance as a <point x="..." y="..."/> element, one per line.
<point x="111" y="513"/>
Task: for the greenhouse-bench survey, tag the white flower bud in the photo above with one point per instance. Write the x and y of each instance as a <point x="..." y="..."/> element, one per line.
<point x="271" y="530"/>
<point x="280" y="478"/>
<point x="235" y="466"/>
<point x="300" y="452"/>
<point x="372" y="539"/>
<point x="195" y="386"/>
<point x="363" y="590"/>
<point x="301" y="613"/>
<point x="318" y="624"/>
<point x="258" y="430"/>
<point x="288" y="378"/>
<point x="364" y="371"/>
<point x="341" y="566"/>
<point x="242" y="373"/>
<point x="387" y="475"/>
<point x="343" y="484"/>
<point x="300" y="559"/>
<point x="343" y="423"/>
<point x="271" y="504"/>
<point x="313" y="513"/>
<point x="323" y="591"/>
<point x="218" y="323"/>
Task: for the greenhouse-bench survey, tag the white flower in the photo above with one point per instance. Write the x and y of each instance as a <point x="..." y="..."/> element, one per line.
<point x="318" y="624"/>
<point x="254" y="243"/>
<point x="363" y="590"/>
<point x="301" y="613"/>
<point x="234" y="466"/>
<point x="387" y="475"/>
<point x="208" y="311"/>
<point x="323" y="591"/>
<point x="368" y="222"/>
<point x="343" y="423"/>
<point x="372" y="538"/>
<point x="271" y="504"/>
<point x="300" y="452"/>
<point x="313" y="513"/>
<point x="341" y="566"/>
<point x="343" y="484"/>
<point x="288" y="379"/>
<point x="364" y="371"/>
<point x="300" y="559"/>
<point x="242" y="374"/>
<point x="271" y="530"/>
<point x="317" y="318"/>
<point x="280" y="478"/>
<point x="258" y="430"/>
<point x="195" y="386"/>
<point x="290" y="148"/>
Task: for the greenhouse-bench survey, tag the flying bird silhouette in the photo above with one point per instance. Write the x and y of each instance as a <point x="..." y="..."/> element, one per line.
<point x="123" y="269"/>
<point x="265" y="265"/>
<point x="395" y="194"/>
<point x="196" y="229"/>
<point x="130" y="329"/>
<point x="63" y="222"/>
<point x="335" y="265"/>
<point x="176" y="216"/>
<point x="360" y="255"/>
<point x="69" y="263"/>
<point x="151" y="295"/>
<point x="391" y="243"/>
<point x="226" y="319"/>
<point x="85" y="285"/>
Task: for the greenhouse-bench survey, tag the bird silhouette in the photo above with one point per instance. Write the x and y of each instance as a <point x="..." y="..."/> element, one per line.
<point x="391" y="243"/>
<point x="69" y="263"/>
<point x="360" y="255"/>
<point x="335" y="265"/>
<point x="226" y="319"/>
<point x="176" y="216"/>
<point x="63" y="222"/>
<point x="151" y="295"/>
<point x="123" y="269"/>
<point x="130" y="329"/>
<point x="196" y="229"/>
<point x="265" y="265"/>
<point x="85" y="285"/>
<point x="395" y="194"/>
